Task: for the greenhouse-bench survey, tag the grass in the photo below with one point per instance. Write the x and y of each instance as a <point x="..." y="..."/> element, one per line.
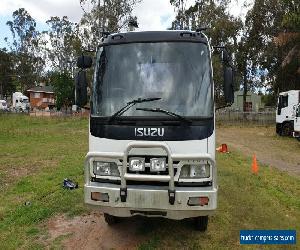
<point x="36" y="154"/>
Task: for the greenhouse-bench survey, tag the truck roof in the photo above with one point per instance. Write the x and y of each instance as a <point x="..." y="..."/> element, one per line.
<point x="154" y="36"/>
<point x="289" y="92"/>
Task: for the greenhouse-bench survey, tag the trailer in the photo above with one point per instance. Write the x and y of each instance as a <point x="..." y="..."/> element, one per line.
<point x="152" y="125"/>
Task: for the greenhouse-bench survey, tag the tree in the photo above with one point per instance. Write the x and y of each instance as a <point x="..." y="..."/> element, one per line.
<point x="65" y="44"/>
<point x="270" y="44"/>
<point x="223" y="29"/>
<point x="7" y="84"/>
<point x="104" y="16"/>
<point x="25" y="48"/>
<point x="63" y="85"/>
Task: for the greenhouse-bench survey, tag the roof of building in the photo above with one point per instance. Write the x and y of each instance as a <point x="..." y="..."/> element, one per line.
<point x="44" y="89"/>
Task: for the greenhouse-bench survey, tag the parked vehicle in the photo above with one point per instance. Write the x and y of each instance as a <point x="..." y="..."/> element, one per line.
<point x="296" y="132"/>
<point x="286" y="112"/>
<point x="3" y="105"/>
<point x="20" y="102"/>
<point x="152" y="126"/>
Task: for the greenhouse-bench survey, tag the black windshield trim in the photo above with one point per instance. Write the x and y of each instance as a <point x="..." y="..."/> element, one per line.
<point x="153" y="120"/>
<point x="169" y="130"/>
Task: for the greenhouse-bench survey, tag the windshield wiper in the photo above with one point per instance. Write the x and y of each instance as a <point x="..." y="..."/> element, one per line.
<point x="130" y="104"/>
<point x="159" y="110"/>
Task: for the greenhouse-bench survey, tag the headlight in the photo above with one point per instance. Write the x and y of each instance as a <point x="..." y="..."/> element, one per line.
<point x="195" y="171"/>
<point x="136" y="164"/>
<point x="105" y="168"/>
<point x="157" y="164"/>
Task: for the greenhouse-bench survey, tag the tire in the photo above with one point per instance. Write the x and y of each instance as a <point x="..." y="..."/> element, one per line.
<point x="201" y="223"/>
<point x="287" y="129"/>
<point x="110" y="219"/>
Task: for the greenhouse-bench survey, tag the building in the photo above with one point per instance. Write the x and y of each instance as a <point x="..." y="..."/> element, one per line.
<point x="41" y="97"/>
<point x="253" y="102"/>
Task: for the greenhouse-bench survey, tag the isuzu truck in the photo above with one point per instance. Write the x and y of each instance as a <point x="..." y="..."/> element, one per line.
<point x="152" y="125"/>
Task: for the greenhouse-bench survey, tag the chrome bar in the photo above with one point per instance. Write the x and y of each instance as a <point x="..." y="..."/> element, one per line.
<point x="147" y="144"/>
<point x="145" y="177"/>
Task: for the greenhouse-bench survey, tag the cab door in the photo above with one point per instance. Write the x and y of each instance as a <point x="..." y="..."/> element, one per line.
<point x="297" y="120"/>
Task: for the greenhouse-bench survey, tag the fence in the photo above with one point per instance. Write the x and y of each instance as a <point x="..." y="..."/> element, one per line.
<point x="58" y="113"/>
<point x="222" y="117"/>
<point x="42" y="113"/>
<point x="245" y="118"/>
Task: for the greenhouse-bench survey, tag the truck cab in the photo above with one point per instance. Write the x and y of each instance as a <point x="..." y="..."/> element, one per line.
<point x="3" y="105"/>
<point x="286" y="111"/>
<point x="152" y="126"/>
<point x="296" y="132"/>
<point x="20" y="102"/>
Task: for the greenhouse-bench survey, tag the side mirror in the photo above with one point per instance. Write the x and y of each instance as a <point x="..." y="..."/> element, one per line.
<point x="81" y="89"/>
<point x="228" y="85"/>
<point x="84" y="62"/>
<point x="225" y="57"/>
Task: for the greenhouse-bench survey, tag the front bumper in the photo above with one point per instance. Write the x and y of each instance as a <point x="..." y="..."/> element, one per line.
<point x="150" y="200"/>
<point x="296" y="134"/>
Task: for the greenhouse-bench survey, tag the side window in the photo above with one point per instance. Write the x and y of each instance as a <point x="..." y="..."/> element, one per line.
<point x="285" y="101"/>
<point x="17" y="101"/>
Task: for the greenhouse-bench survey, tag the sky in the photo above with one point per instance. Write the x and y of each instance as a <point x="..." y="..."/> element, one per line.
<point x="151" y="14"/>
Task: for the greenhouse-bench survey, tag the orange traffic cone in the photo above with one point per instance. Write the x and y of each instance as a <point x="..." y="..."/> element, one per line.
<point x="254" y="165"/>
<point x="224" y="148"/>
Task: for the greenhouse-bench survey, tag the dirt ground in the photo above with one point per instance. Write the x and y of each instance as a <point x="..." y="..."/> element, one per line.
<point x="270" y="149"/>
<point x="91" y="232"/>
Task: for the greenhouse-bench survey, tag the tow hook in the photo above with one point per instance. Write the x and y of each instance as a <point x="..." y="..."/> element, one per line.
<point x="123" y="194"/>
<point x="171" y="196"/>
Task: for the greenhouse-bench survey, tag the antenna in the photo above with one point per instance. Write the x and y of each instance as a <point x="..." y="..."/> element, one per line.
<point x="133" y="24"/>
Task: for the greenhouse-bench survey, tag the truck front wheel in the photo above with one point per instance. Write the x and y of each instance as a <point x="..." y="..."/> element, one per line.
<point x="201" y="223"/>
<point x="287" y="129"/>
<point x="110" y="219"/>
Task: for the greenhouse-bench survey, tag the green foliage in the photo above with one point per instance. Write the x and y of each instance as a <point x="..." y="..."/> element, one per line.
<point x="269" y="100"/>
<point x="223" y="29"/>
<point x="25" y="48"/>
<point x="106" y="15"/>
<point x="7" y="84"/>
<point x="65" y="44"/>
<point x="63" y="85"/>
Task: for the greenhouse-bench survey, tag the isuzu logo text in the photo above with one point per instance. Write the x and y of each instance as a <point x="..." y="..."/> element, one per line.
<point x="149" y="132"/>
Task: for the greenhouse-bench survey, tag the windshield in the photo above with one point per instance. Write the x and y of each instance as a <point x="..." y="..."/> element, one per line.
<point x="178" y="73"/>
<point x="24" y="100"/>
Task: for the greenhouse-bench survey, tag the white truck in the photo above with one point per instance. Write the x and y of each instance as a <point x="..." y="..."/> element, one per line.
<point x="20" y="102"/>
<point x="286" y="112"/>
<point x="296" y="132"/>
<point x="152" y="126"/>
<point x="3" y="105"/>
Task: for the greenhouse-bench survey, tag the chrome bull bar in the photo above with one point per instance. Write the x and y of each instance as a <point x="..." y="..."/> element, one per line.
<point x="124" y="176"/>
